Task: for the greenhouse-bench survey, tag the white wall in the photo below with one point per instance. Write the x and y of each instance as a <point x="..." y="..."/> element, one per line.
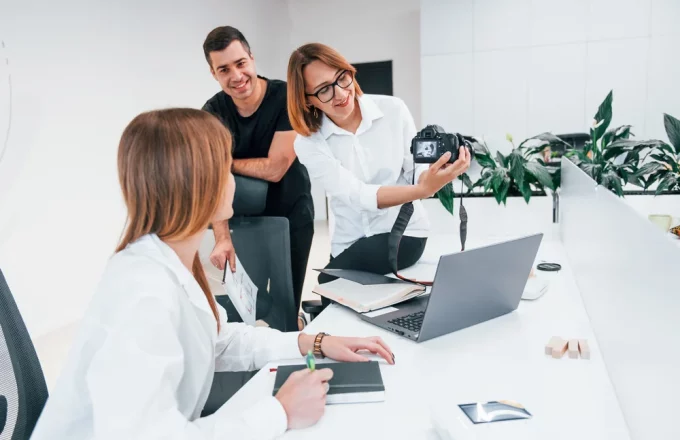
<point x="81" y="71"/>
<point x="491" y="67"/>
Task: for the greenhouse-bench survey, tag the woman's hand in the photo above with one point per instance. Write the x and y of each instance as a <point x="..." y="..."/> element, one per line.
<point x="440" y="173"/>
<point x="346" y="349"/>
<point x="303" y="397"/>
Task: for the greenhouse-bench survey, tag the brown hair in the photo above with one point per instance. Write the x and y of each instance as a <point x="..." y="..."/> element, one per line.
<point x="300" y="113"/>
<point x="173" y="167"/>
<point x="220" y="38"/>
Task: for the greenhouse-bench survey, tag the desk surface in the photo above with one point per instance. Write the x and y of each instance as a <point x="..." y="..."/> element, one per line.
<point x="499" y="359"/>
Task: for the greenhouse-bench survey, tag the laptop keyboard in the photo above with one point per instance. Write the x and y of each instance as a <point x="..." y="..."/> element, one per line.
<point x="411" y="322"/>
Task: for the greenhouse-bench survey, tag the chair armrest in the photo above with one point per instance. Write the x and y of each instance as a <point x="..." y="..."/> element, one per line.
<point x="3" y="413"/>
<point x="312" y="307"/>
<point x="250" y="197"/>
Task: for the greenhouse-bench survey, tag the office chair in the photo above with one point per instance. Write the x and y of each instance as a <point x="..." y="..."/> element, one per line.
<point x="576" y="140"/>
<point x="313" y="308"/>
<point x="23" y="391"/>
<point x="262" y="244"/>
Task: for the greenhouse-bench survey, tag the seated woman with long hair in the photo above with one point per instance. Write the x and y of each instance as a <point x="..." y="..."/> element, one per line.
<point x="153" y="336"/>
<point x="358" y="147"/>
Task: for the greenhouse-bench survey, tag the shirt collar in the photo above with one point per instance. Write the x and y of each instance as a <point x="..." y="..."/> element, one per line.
<point x="369" y="113"/>
<point x="153" y="247"/>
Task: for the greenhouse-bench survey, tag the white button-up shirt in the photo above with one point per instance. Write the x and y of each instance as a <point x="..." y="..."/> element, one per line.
<point x="143" y="362"/>
<point x="352" y="167"/>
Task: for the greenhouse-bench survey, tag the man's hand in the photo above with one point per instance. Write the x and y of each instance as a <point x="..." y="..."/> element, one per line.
<point x="223" y="252"/>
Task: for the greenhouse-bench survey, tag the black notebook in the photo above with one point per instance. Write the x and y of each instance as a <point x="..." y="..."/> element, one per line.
<point x="352" y="382"/>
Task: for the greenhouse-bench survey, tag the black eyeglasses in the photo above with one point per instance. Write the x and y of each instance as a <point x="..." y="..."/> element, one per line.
<point x="327" y="93"/>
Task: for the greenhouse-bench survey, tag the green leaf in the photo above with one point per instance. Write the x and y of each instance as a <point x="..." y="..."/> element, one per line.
<point x="666" y="183"/>
<point x="632" y="158"/>
<point x="466" y="181"/>
<point x="593" y="170"/>
<point x="632" y="144"/>
<point x="485" y="160"/>
<point x="612" y="152"/>
<point x="517" y="167"/>
<point x="502" y="192"/>
<point x="614" y="134"/>
<point x="611" y="181"/>
<point x="546" y="138"/>
<point x="667" y="148"/>
<point x="445" y="195"/>
<point x="663" y="157"/>
<point x="654" y="177"/>
<point x="525" y="189"/>
<point x="556" y="177"/>
<point x="649" y="168"/>
<point x="672" y="126"/>
<point x="541" y="174"/>
<point x="604" y="114"/>
<point x="497" y="177"/>
<point x="501" y="159"/>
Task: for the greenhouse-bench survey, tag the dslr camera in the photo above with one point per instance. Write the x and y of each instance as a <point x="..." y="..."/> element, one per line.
<point x="430" y="143"/>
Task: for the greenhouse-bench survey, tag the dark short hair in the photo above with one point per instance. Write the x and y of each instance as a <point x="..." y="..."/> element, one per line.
<point x="219" y="38"/>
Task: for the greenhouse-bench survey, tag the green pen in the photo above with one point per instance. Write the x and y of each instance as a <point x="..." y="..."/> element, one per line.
<point x="310" y="361"/>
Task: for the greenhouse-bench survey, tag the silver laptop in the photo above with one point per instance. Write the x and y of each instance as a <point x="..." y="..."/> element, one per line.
<point x="469" y="287"/>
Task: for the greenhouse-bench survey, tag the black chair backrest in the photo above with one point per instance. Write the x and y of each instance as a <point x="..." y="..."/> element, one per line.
<point x="263" y="247"/>
<point x="576" y="140"/>
<point x="250" y="197"/>
<point x="22" y="383"/>
<point x="262" y="244"/>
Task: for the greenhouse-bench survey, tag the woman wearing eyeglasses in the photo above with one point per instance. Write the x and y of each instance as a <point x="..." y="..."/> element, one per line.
<point x="358" y="146"/>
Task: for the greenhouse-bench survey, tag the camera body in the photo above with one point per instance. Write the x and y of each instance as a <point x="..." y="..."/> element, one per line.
<point x="430" y="143"/>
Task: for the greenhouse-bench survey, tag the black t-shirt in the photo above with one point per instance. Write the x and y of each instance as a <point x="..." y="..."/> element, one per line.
<point x="252" y="138"/>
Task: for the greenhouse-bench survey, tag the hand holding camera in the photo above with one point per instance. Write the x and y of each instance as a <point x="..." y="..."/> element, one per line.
<point x="448" y="153"/>
<point x="442" y="172"/>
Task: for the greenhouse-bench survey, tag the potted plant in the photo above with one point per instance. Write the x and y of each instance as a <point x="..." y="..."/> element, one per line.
<point x="665" y="167"/>
<point x="611" y="158"/>
<point x="523" y="172"/>
<point x="517" y="174"/>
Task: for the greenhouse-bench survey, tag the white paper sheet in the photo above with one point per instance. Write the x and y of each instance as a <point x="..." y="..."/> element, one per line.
<point x="379" y="312"/>
<point x="242" y="292"/>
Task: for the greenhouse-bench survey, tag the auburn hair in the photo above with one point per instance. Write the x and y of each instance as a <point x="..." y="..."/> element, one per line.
<point x="173" y="167"/>
<point x="300" y="111"/>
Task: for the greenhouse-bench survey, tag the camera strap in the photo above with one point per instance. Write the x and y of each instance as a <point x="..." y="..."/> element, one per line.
<point x="397" y="233"/>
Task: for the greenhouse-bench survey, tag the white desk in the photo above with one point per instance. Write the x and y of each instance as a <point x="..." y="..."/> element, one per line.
<point x="499" y="359"/>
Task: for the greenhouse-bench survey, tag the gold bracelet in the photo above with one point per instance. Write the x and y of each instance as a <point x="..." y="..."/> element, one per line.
<point x="317" y="345"/>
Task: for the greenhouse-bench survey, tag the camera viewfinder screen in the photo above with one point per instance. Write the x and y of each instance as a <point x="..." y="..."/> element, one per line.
<point x="426" y="148"/>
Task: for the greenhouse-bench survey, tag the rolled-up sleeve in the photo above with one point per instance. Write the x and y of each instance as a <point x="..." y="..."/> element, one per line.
<point x="337" y="180"/>
<point x="241" y="347"/>
<point x="409" y="131"/>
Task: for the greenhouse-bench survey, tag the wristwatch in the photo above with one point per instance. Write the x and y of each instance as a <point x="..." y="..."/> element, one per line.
<point x="317" y="345"/>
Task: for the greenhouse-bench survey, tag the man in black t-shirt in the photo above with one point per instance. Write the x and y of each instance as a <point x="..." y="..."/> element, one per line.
<point x="254" y="109"/>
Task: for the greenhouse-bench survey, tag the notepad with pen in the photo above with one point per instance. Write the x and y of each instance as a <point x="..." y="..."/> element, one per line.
<point x="352" y="382"/>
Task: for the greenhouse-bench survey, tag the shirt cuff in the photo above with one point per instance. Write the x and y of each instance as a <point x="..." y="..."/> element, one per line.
<point x="419" y="169"/>
<point x="368" y="197"/>
<point x="267" y="417"/>
<point x="287" y="346"/>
